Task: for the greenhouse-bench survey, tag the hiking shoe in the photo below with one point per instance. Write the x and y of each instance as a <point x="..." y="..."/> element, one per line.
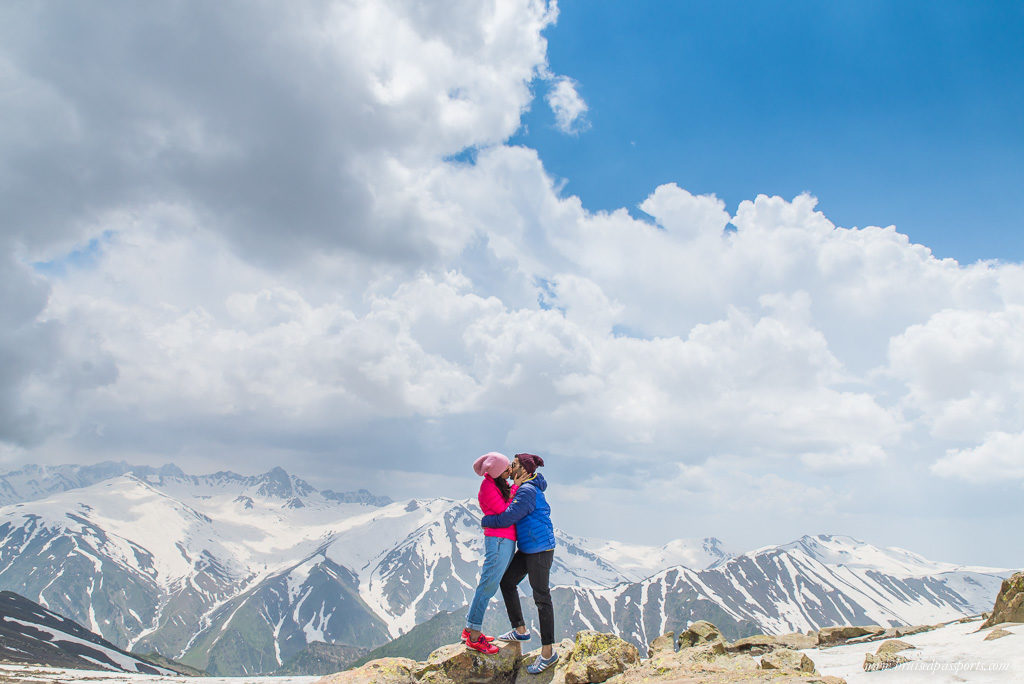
<point x="513" y="635"/>
<point x="465" y="635"/>
<point x="541" y="664"/>
<point x="482" y="645"/>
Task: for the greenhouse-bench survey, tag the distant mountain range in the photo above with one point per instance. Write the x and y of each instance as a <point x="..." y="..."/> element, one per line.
<point x="238" y="574"/>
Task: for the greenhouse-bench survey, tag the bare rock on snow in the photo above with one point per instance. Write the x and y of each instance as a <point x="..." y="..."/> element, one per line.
<point x="997" y="633"/>
<point x="884" y="661"/>
<point x="832" y="636"/>
<point x="893" y="646"/>
<point x="1009" y="605"/>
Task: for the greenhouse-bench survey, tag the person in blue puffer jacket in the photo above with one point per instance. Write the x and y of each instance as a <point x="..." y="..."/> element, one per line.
<point x="535" y="540"/>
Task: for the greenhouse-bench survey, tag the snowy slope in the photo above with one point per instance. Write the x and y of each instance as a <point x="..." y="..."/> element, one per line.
<point x="31" y="634"/>
<point x="954" y="653"/>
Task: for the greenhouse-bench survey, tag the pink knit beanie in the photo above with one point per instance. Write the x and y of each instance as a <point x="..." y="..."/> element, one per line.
<point x="491" y="463"/>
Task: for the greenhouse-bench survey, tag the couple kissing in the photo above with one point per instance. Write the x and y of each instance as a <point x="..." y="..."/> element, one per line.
<point x="519" y="542"/>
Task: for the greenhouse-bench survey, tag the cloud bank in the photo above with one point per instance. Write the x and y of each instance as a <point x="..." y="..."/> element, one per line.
<point x="244" y="233"/>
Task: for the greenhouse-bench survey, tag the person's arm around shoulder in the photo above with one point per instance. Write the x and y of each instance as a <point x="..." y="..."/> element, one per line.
<point x="521" y="506"/>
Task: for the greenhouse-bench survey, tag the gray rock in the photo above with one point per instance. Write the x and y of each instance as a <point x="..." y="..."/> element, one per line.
<point x="885" y="661"/>
<point x="700" y="632"/>
<point x="893" y="646"/>
<point x="787" y="659"/>
<point x="459" y="663"/>
<point x="997" y="633"/>
<point x="830" y="636"/>
<point x="1009" y="605"/>
<point x="597" y="657"/>
<point x="381" y="671"/>
<point x="666" y="643"/>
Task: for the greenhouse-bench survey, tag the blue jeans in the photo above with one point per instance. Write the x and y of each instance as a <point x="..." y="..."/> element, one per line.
<point x="497" y="555"/>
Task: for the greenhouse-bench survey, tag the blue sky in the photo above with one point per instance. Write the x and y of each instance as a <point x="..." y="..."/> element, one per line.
<point x="890" y="113"/>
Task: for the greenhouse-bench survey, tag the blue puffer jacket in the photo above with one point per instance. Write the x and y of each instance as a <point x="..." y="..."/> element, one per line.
<point x="530" y="513"/>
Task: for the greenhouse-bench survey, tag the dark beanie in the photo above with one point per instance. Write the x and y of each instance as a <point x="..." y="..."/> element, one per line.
<point x="530" y="462"/>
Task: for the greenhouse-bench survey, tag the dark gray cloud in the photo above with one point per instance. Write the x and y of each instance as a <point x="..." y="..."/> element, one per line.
<point x="36" y="355"/>
<point x="259" y="117"/>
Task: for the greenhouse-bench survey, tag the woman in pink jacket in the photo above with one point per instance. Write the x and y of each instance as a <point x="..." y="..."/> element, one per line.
<point x="499" y="545"/>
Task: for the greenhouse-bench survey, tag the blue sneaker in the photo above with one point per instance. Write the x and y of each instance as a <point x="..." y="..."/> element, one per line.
<point x="541" y="664"/>
<point x="513" y="635"/>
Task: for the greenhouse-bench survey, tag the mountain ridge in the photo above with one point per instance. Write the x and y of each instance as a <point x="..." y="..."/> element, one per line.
<point x="239" y="574"/>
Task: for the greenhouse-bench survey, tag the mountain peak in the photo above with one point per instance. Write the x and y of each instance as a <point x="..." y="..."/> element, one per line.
<point x="276" y="482"/>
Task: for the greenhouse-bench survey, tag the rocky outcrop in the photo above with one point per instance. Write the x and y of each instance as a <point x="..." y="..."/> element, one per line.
<point x="787" y="659"/>
<point x="893" y="646"/>
<point x="553" y="675"/>
<point x="754" y="645"/>
<point x="1009" y="605"/>
<point x="832" y="636"/>
<point x="883" y="661"/>
<point x="700" y="632"/>
<point x="897" y="632"/>
<point x="798" y="641"/>
<point x="997" y="633"/>
<point x="595" y="657"/>
<point x="666" y="643"/>
<point x="381" y="671"/>
<point x="455" y="663"/>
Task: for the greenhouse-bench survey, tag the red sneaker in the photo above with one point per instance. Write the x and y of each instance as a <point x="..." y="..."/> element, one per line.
<point x="465" y="635"/>
<point x="482" y="645"/>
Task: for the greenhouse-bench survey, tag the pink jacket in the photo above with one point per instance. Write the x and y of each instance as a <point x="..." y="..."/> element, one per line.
<point x="493" y="503"/>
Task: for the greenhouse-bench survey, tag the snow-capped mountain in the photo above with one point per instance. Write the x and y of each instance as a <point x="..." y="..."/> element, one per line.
<point x="814" y="582"/>
<point x="638" y="562"/>
<point x="237" y="574"/>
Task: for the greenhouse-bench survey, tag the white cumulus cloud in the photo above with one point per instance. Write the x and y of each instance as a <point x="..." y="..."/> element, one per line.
<point x="569" y="108"/>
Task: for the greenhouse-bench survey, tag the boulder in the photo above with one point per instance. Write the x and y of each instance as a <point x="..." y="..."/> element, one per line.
<point x="997" y="633"/>
<point x="831" y="636"/>
<point x="381" y="671"/>
<point x="908" y="630"/>
<point x="700" y="632"/>
<point x="786" y="659"/>
<point x="596" y="656"/>
<point x="885" y="661"/>
<point x="457" y="663"/>
<point x="1009" y="605"/>
<point x="893" y="646"/>
<point x="755" y="645"/>
<point x="666" y="643"/>
<point x="552" y="675"/>
<point x="798" y="641"/>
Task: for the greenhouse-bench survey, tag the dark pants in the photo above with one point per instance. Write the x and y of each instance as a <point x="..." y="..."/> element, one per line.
<point x="538" y="567"/>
